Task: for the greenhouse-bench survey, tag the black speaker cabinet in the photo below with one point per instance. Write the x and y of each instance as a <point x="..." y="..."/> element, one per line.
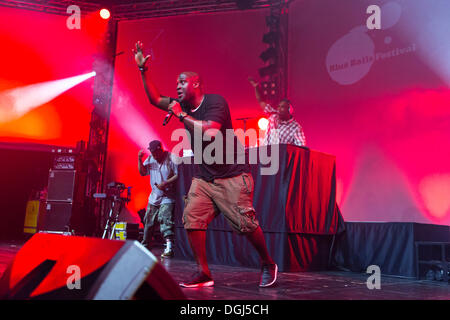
<point x="61" y="185"/>
<point x="55" y="217"/>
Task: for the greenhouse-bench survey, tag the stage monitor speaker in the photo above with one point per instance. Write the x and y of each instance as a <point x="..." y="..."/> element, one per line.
<point x="57" y="267"/>
<point x="61" y="185"/>
<point x="56" y="217"/>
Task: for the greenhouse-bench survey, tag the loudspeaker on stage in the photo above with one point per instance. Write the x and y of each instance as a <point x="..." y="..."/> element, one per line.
<point x="58" y="267"/>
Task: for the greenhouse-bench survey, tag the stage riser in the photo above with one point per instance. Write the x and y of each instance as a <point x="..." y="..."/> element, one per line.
<point x="292" y="252"/>
<point x="389" y="245"/>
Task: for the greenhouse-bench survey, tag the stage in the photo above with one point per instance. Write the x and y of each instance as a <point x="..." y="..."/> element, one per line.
<point x="366" y="189"/>
<point x="341" y="281"/>
<point x="241" y="284"/>
<point x="320" y="257"/>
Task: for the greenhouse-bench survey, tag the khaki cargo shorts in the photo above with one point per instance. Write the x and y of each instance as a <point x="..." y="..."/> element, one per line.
<point x="231" y="196"/>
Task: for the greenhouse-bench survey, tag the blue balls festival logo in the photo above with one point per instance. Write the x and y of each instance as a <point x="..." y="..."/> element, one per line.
<point x="352" y="56"/>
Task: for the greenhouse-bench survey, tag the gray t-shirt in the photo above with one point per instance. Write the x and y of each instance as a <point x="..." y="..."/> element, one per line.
<point x="158" y="173"/>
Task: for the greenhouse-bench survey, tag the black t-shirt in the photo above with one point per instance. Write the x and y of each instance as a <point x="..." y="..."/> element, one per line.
<point x="215" y="108"/>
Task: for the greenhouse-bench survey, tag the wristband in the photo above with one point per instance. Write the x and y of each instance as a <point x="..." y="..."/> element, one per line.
<point x="143" y="68"/>
<point x="181" y="116"/>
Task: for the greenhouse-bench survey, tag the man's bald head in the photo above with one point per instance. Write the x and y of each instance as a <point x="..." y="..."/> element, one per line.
<point x="194" y="77"/>
<point x="189" y="86"/>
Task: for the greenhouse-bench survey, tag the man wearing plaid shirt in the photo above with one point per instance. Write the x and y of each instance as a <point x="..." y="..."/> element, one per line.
<point x="282" y="128"/>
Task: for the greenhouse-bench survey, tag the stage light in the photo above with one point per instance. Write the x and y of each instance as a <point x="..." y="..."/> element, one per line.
<point x="270" y="53"/>
<point x="126" y="116"/>
<point x="105" y="14"/>
<point x="434" y="190"/>
<point x="263" y="123"/>
<point x="271" y="37"/>
<point x="15" y="103"/>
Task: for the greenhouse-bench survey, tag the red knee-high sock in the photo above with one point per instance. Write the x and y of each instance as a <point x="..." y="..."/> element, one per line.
<point x="258" y="241"/>
<point x="197" y="240"/>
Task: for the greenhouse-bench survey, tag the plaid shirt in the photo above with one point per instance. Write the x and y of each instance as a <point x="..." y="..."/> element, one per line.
<point x="283" y="132"/>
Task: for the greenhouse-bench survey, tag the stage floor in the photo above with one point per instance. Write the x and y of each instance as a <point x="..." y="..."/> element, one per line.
<point x="237" y="283"/>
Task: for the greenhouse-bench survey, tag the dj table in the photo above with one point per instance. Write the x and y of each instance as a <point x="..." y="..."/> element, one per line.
<point x="296" y="208"/>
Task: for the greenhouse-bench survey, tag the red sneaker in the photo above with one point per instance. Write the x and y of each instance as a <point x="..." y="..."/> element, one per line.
<point x="268" y="275"/>
<point x="198" y="280"/>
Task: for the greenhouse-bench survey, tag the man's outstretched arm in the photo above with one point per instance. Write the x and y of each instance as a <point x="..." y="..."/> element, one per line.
<point x="152" y="92"/>
<point x="255" y="85"/>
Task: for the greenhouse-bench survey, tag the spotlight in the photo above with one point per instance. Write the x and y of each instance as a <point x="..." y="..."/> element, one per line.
<point x="270" y="53"/>
<point x="263" y="123"/>
<point x="16" y="102"/>
<point x="105" y="14"/>
<point x="269" y="89"/>
<point x="270" y="37"/>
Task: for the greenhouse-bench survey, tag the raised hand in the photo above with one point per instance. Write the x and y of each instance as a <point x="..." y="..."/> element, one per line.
<point x="141" y="154"/>
<point x="139" y="56"/>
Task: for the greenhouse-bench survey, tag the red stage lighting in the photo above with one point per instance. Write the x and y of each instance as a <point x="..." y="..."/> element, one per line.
<point x="105" y="14"/>
<point x="16" y="102"/>
<point x="263" y="123"/>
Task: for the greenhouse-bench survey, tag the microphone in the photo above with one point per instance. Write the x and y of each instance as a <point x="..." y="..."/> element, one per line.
<point x="167" y="118"/>
<point x="169" y="115"/>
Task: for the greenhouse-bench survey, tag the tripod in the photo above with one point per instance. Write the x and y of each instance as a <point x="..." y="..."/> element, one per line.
<point x="113" y="217"/>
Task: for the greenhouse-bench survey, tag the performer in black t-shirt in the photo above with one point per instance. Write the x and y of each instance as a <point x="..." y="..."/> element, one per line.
<point x="219" y="186"/>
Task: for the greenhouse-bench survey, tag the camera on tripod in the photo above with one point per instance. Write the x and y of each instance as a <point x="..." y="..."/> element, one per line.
<point x="113" y="193"/>
<point x="115" y="190"/>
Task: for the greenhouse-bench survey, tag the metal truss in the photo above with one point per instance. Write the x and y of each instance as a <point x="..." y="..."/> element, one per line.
<point x="275" y="73"/>
<point x="135" y="10"/>
<point x="48" y="6"/>
<point x="155" y="9"/>
<point x="99" y="125"/>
